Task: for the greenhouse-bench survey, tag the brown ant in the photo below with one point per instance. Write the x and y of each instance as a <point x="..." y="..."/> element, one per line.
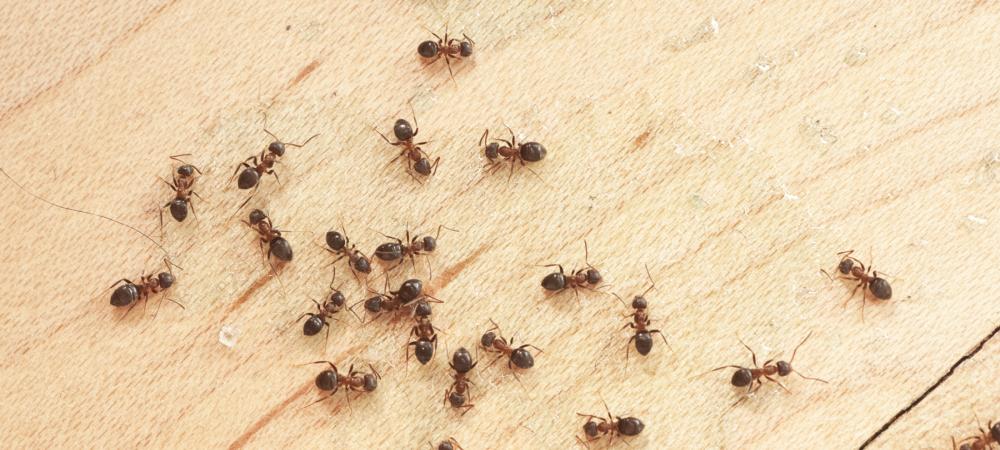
<point x="251" y="173"/>
<point x="643" y="336"/>
<point x="981" y="441"/>
<point x="450" y="444"/>
<point x="587" y="278"/>
<point x="409" y="292"/>
<point x="458" y="394"/>
<point x="856" y="270"/>
<point x="448" y="48"/>
<point x="495" y="342"/>
<point x="339" y="244"/>
<point x="511" y="151"/>
<point x="416" y="158"/>
<point x="425" y="332"/>
<point x="277" y="245"/>
<point x="333" y="304"/>
<point x="130" y="293"/>
<point x="751" y="377"/>
<point x="610" y="427"/>
<point x="183" y="184"/>
<point x="399" y="250"/>
<point x="332" y="380"/>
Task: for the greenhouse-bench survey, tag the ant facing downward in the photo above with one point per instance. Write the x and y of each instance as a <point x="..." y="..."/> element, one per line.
<point x="610" y="427"/>
<point x="982" y="441"/>
<point x="643" y="336"/>
<point x="416" y="158"/>
<point x="495" y="342"/>
<point x="458" y="393"/>
<point x="277" y="245"/>
<point x="751" y="377"/>
<point x="331" y="380"/>
<point x="340" y="245"/>
<point x="587" y="278"/>
<point x="130" y="293"/>
<point x="425" y="332"/>
<point x="183" y="185"/>
<point x="399" y="250"/>
<point x="448" y="48"/>
<point x="264" y="164"/>
<point x="511" y="151"/>
<point x="856" y="270"/>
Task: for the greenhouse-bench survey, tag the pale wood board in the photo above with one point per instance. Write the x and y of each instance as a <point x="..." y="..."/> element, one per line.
<point x="671" y="143"/>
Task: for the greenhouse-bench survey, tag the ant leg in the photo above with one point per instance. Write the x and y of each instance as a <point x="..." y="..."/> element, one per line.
<point x="447" y="61"/>
<point x="191" y="204"/>
<point x="317" y="401"/>
<point x="664" y="338"/>
<point x="272" y="172"/>
<point x="779" y="384"/>
<point x="628" y="347"/>
<point x="752" y="354"/>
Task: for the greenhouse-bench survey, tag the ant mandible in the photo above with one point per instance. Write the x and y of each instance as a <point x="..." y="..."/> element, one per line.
<point x="495" y="342"/>
<point x="448" y="48"/>
<point x="130" y="293"/>
<point x="511" y="151"/>
<point x="981" y="441"/>
<point x="411" y="247"/>
<point x="612" y="426"/>
<point x="459" y="393"/>
<point x="332" y="380"/>
<point x="416" y="158"/>
<point x="643" y="336"/>
<point x="587" y="278"/>
<point x="340" y="245"/>
<point x="183" y="185"/>
<point x="751" y="377"/>
<point x="878" y="286"/>
<point x="277" y="245"/>
<point x="251" y="173"/>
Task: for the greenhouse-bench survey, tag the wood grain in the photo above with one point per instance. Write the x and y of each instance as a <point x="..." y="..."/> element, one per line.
<point x="734" y="147"/>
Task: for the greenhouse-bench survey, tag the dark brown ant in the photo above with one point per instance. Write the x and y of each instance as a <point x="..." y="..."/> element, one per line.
<point x="416" y="158"/>
<point x="333" y="304"/>
<point x="587" y="278"/>
<point x="339" y="244"/>
<point x="856" y="270"/>
<point x="332" y="380"/>
<point x="409" y="292"/>
<point x="251" y="173"/>
<point x="399" y="250"/>
<point x="610" y="427"/>
<point x="643" y="336"/>
<point x="459" y="394"/>
<point x="130" y="293"/>
<point x="495" y="342"/>
<point x="183" y="186"/>
<point x="277" y="245"/>
<point x="751" y="377"/>
<point x="448" y="48"/>
<point x="450" y="444"/>
<point x="511" y="151"/>
<point x="982" y="441"/>
<point x="425" y="332"/>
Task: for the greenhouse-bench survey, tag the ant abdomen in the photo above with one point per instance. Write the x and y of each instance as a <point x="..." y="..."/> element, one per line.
<point x="248" y="178"/>
<point x="742" y="378"/>
<point x="125" y="295"/>
<point x="178" y="209"/>
<point x="532" y="152"/>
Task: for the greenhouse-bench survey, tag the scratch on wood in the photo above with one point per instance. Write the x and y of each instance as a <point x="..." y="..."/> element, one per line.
<point x="263" y="421"/>
<point x="247" y="293"/>
<point x="304" y="73"/>
<point x="641" y="140"/>
<point x="450" y="273"/>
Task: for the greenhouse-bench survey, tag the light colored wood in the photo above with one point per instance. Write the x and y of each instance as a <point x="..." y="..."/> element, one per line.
<point x="673" y="144"/>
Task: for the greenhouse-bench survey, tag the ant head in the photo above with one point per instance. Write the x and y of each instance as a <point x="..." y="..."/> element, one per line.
<point x="445" y="445"/>
<point x="276" y="147"/>
<point x="522" y="358"/>
<point x="410" y="290"/>
<point x="492" y="150"/>
<point x="423" y="309"/>
<point x="428" y="49"/>
<point x="784" y="368"/>
<point x="423" y="166"/>
<point x="402" y="130"/>
<point x="742" y="377"/>
<point x="461" y="361"/>
<point x="326" y="380"/>
<point x="590" y="428"/>
<point x="371" y="382"/>
<point x="257" y="216"/>
<point x="487" y="339"/>
<point x="639" y="302"/>
<point x="845" y="266"/>
<point x="593" y="276"/>
<point x="995" y="431"/>
<point x="532" y="152"/>
<point x="185" y="170"/>
<point x="465" y="49"/>
<point x="429" y="243"/>
<point x="335" y="240"/>
<point x="337" y="299"/>
<point x="374" y="304"/>
<point x="165" y="279"/>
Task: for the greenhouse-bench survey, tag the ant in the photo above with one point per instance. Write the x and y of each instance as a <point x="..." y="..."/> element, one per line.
<point x="411" y="290"/>
<point x="424" y="331"/>
<point x="393" y="251"/>
<point x="277" y="245"/>
<point x="643" y="336"/>
<point x="852" y="266"/>
<point x="511" y="151"/>
<point x="448" y="48"/>
<point x="450" y="444"/>
<point x="495" y="342"/>
<point x="745" y="376"/>
<point x="584" y="278"/>
<point x="332" y="380"/>
<point x="317" y="321"/>
<point x="339" y="244"/>
<point x="130" y="293"/>
<point x="183" y="184"/>
<point x="461" y="363"/>
<point x="251" y="173"/>
<point x="628" y="426"/>
<point x="416" y="158"/>
<point x="982" y="441"/>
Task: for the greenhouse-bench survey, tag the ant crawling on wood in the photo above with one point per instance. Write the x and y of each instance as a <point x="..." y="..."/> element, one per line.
<point x="610" y="427"/>
<point x="751" y="377"/>
<point x="587" y="278"/>
<point x="856" y="270"/>
<point x="183" y="187"/>
<point x="448" y="48"/>
<point x="458" y="394"/>
<point x="277" y="245"/>
<point x="130" y="293"/>
<point x="411" y="247"/>
<point x="981" y="441"/>
<point x="643" y="336"/>
<point x="425" y="332"/>
<point x="416" y="158"/>
<point x="339" y="244"/>
<point x="331" y="380"/>
<point x="450" y="444"/>
<point x="409" y="292"/>
<point x="251" y="173"/>
<point x="511" y="151"/>
<point x="495" y="342"/>
<point x="333" y="304"/>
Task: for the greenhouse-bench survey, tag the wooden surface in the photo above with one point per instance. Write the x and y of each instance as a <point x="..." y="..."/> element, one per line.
<point x="734" y="147"/>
